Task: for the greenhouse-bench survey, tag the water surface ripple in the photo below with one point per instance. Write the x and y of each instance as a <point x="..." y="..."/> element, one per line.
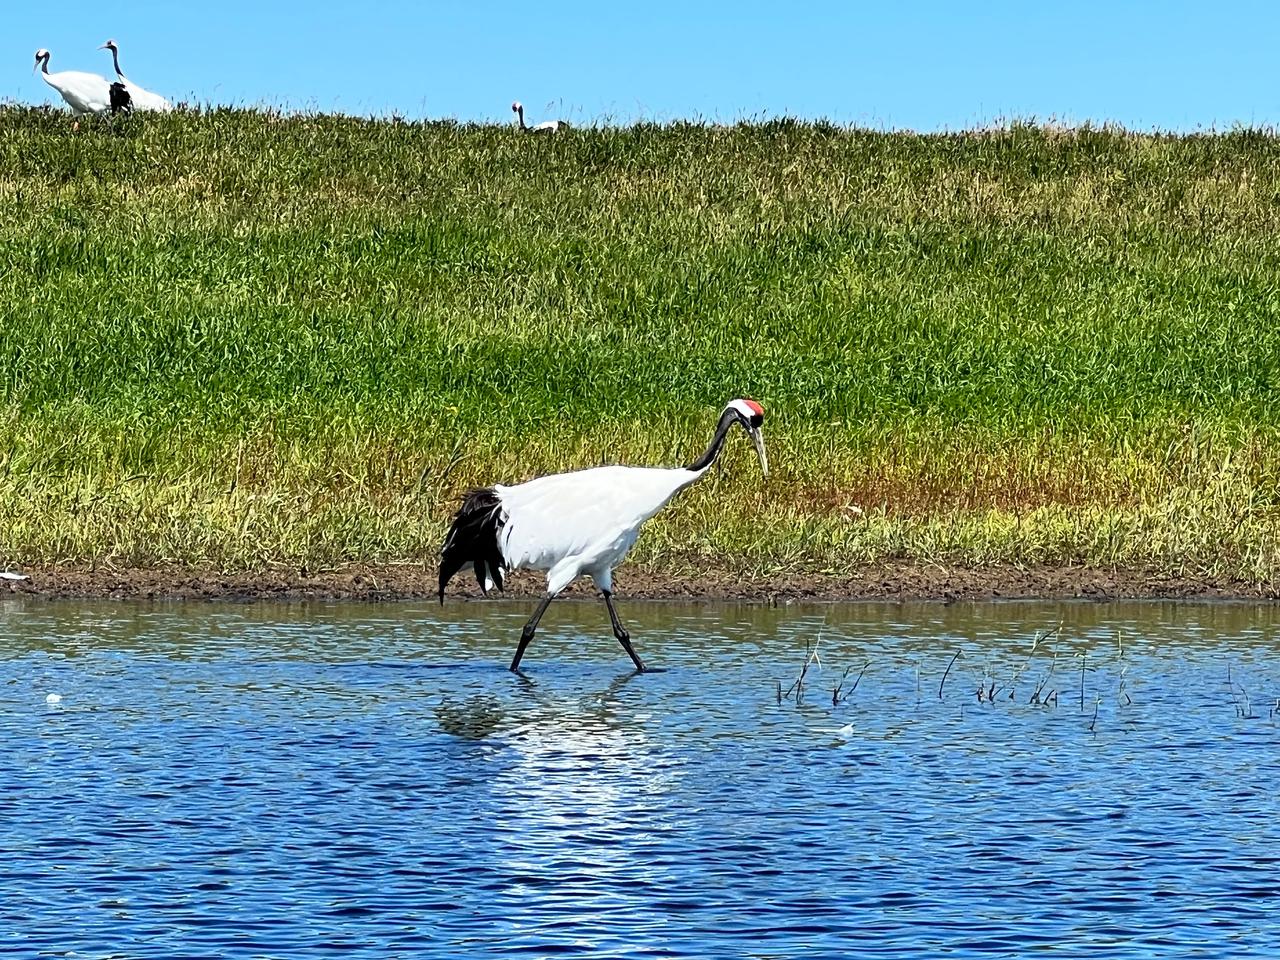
<point x="262" y="781"/>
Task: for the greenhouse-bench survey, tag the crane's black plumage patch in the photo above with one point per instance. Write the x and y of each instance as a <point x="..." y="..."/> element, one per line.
<point x="120" y="99"/>
<point x="473" y="538"/>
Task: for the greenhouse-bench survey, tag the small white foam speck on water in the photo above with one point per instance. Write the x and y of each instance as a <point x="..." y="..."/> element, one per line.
<point x="53" y="698"/>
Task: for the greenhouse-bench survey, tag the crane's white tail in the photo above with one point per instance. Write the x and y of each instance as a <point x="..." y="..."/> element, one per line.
<point x="120" y="99"/>
<point x="473" y="538"/>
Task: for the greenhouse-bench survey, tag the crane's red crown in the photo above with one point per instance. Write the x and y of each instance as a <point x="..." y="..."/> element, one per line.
<point x="751" y="412"/>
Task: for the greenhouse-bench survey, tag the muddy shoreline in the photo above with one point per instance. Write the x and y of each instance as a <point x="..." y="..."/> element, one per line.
<point x="891" y="581"/>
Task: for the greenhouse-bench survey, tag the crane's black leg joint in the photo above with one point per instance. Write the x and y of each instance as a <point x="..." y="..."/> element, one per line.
<point x="620" y="632"/>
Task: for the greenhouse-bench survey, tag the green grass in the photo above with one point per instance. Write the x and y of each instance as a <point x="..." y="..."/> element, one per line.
<point x="238" y="339"/>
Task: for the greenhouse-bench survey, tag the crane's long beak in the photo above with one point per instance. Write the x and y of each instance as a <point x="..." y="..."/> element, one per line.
<point x="758" y="439"/>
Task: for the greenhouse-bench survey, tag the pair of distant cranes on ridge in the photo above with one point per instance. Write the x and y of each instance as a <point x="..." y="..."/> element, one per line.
<point x="91" y="93"/>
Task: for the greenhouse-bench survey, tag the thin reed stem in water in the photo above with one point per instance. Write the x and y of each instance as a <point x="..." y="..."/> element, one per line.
<point x="947" y="672"/>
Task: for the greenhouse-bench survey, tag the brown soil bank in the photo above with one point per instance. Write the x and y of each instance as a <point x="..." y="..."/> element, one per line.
<point x="898" y="581"/>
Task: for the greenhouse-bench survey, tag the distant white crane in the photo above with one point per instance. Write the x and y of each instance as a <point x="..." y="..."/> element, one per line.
<point x="140" y="99"/>
<point x="574" y="523"/>
<point x="546" y="126"/>
<point x="84" y="92"/>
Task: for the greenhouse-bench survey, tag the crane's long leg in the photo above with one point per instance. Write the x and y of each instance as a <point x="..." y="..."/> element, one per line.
<point x="620" y="632"/>
<point x="527" y="633"/>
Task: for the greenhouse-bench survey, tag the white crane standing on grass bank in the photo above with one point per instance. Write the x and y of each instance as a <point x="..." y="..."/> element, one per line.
<point x="140" y="99"/>
<point x="83" y="92"/>
<point x="546" y="126"/>
<point x="574" y="523"/>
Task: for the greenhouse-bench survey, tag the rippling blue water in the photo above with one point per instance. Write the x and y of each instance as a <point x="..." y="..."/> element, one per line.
<point x="263" y="781"/>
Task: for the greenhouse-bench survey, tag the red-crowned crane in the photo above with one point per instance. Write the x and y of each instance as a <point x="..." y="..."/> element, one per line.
<point x="84" y="92"/>
<point x="569" y="524"/>
<point x="139" y="98"/>
<point x="546" y="126"/>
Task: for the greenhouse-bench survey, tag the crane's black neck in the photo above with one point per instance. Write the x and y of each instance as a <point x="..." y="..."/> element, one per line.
<point x="713" y="449"/>
<point x="115" y="59"/>
<point x="520" y="114"/>
<point x="44" y="64"/>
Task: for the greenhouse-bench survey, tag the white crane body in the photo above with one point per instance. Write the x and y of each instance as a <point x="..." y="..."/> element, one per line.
<point x="546" y="126"/>
<point x="145" y="99"/>
<point x="569" y="524"/>
<point x="582" y="522"/>
<point x="83" y="92"/>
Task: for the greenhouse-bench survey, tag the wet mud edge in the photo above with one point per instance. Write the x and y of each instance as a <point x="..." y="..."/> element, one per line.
<point x="885" y="581"/>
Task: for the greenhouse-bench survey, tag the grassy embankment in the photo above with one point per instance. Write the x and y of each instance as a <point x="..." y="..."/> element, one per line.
<point x="237" y="340"/>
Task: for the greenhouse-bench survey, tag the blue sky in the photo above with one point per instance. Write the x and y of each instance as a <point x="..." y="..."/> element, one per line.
<point x="922" y="65"/>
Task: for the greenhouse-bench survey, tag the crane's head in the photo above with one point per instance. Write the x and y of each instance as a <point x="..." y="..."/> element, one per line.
<point x="110" y="45"/>
<point x="41" y="54"/>
<point x="751" y="416"/>
<point x="516" y="106"/>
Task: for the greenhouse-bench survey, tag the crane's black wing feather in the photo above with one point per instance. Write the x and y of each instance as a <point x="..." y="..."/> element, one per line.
<point x="473" y="538"/>
<point x="120" y="99"/>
